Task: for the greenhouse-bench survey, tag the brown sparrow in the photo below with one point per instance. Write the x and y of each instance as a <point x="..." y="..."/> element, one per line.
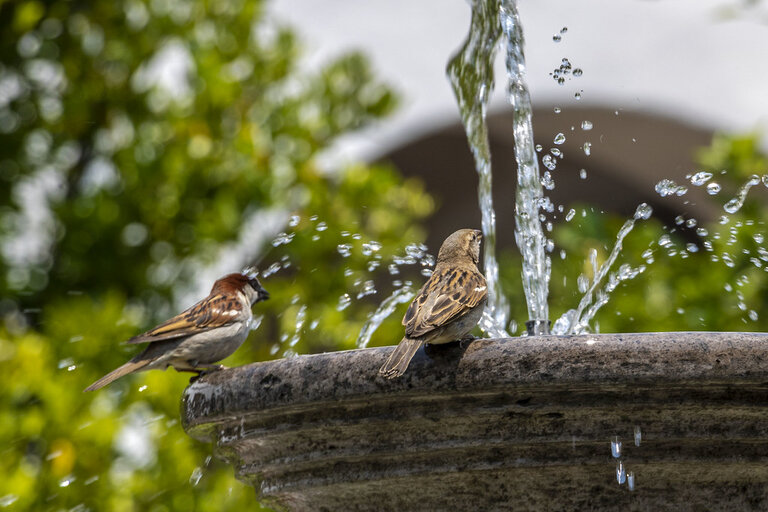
<point x="448" y="306"/>
<point x="207" y="332"/>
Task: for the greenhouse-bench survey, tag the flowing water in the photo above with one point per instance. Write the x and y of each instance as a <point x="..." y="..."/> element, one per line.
<point x="528" y="231"/>
<point x="470" y="72"/>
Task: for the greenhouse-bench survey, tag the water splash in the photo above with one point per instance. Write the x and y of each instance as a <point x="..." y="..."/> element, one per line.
<point x="529" y="235"/>
<point x="576" y="321"/>
<point x="470" y="72"/>
<point x="386" y="308"/>
<point x="737" y="202"/>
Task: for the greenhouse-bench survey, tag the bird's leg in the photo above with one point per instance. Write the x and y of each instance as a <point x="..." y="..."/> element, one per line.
<point x="207" y="368"/>
<point x="466" y="339"/>
<point x="200" y="369"/>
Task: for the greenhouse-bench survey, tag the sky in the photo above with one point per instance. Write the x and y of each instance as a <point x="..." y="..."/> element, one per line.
<point x="679" y="58"/>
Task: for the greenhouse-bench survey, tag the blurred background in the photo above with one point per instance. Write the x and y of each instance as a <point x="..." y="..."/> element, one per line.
<point x="147" y="148"/>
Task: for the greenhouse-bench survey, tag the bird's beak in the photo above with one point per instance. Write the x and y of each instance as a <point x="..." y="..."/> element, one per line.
<point x="261" y="293"/>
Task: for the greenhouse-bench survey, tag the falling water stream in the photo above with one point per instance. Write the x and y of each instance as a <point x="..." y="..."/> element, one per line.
<point x="471" y="74"/>
<point x="528" y="232"/>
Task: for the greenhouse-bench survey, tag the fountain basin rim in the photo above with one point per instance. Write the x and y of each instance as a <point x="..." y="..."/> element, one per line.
<point x="478" y="367"/>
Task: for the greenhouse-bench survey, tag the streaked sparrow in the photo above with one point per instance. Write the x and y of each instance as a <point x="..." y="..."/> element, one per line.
<point x="207" y="332"/>
<point x="448" y="306"/>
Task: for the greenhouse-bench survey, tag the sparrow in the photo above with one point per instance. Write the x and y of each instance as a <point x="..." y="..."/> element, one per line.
<point x="193" y="340"/>
<point x="448" y="306"/>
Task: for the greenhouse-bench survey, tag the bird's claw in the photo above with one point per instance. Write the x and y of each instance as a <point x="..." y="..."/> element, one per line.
<point x="201" y="372"/>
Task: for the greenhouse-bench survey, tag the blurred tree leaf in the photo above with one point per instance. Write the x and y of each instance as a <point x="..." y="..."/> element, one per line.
<point x="144" y="144"/>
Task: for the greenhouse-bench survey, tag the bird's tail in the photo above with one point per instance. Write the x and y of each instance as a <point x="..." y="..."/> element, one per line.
<point x="400" y="358"/>
<point x="129" y="367"/>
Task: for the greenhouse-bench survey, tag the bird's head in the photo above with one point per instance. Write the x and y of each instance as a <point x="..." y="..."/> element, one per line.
<point x="460" y="245"/>
<point x="248" y="284"/>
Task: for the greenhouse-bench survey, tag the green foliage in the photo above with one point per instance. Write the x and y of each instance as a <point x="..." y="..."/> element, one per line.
<point x="132" y="188"/>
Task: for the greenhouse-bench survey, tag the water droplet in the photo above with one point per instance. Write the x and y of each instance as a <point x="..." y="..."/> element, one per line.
<point x="616" y="447"/>
<point x="196" y="475"/>
<point x="538" y="148"/>
<point x="371" y="247"/>
<point x="368" y="288"/>
<point x="621" y="474"/>
<point x="282" y="239"/>
<point x="713" y="188"/>
<point x="700" y="178"/>
<point x="638" y="435"/>
<point x="631" y="481"/>
<point x="586" y="125"/>
<point x="557" y="38"/>
<point x="577" y="96"/>
<point x="558" y="110"/>
<point x="344" y="249"/>
<point x="732" y="206"/>
<point x="582" y="283"/>
<point x="564" y="30"/>
<point x="578" y="72"/>
<point x="559" y="138"/>
<point x="546" y="181"/>
<point x="142" y="389"/>
<point x="64" y="482"/>
<point x="569" y="216"/>
<point x="753" y="315"/>
<point x="344" y="301"/>
<point x="556" y="152"/>
<point x="321" y="226"/>
<point x="8" y="500"/>
<point x="549" y="162"/>
<point x="583" y="174"/>
<point x="643" y="211"/>
<point x="294" y="221"/>
<point x="587" y="148"/>
<point x="271" y="269"/>
<point x="669" y="188"/>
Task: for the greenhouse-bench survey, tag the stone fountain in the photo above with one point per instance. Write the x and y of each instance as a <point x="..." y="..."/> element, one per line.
<point x="501" y="424"/>
<point x="653" y="421"/>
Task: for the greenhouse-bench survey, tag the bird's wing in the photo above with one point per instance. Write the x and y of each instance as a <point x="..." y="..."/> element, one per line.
<point x="210" y="313"/>
<point x="444" y="298"/>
